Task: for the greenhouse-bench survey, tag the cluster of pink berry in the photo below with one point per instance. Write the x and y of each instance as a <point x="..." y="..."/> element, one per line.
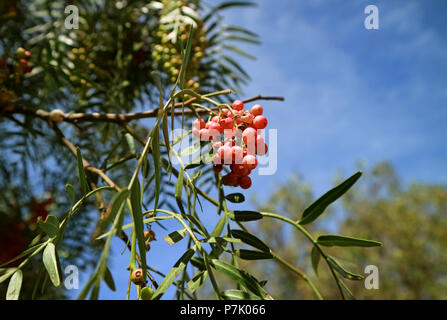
<point x="241" y="144"/>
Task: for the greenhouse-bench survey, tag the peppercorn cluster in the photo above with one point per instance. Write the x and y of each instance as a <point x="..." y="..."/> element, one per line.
<point x="11" y="75"/>
<point x="167" y="52"/>
<point x="241" y="144"/>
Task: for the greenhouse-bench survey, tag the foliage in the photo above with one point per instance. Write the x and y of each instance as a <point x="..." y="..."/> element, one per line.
<point x="72" y="120"/>
<point x="409" y="219"/>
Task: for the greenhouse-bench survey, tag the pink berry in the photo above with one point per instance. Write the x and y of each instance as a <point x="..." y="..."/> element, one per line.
<point x="195" y="132"/>
<point x="237" y="105"/>
<point x="230" y="133"/>
<point x="244" y="182"/>
<point x="257" y="110"/>
<point x="205" y="135"/>
<point x="261" y="149"/>
<point x="215" y="119"/>
<point x="249" y="135"/>
<point x="260" y="122"/>
<point x="199" y="123"/>
<point x="225" y="153"/>
<point x="250" y="162"/>
<point x="237" y="154"/>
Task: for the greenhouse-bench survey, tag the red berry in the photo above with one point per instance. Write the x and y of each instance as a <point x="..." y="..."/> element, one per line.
<point x="237" y="105"/>
<point x="215" y="126"/>
<point x="249" y="135"/>
<point x="237" y="154"/>
<point x="244" y="182"/>
<point x="231" y="179"/>
<point x="229" y="142"/>
<point x="260" y="122"/>
<point x="205" y="135"/>
<point x="247" y="118"/>
<point x="250" y="161"/>
<point x="257" y="110"/>
<point x="240" y="170"/>
<point x="230" y="133"/>
<point x="227" y="123"/>
<point x="215" y="119"/>
<point x="227" y="112"/>
<point x="23" y="62"/>
<point x="225" y="153"/>
<point x="199" y="123"/>
<point x="217" y="168"/>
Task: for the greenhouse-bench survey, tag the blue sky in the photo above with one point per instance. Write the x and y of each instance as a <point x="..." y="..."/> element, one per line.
<point x="351" y="94"/>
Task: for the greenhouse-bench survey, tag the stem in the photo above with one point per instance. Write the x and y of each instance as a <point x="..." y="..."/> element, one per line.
<point x="309" y="236"/>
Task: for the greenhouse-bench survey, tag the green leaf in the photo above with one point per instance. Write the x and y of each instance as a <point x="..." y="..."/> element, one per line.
<point x="108" y="279"/>
<point x="197" y="281"/>
<point x="175" y="236"/>
<point x="315" y="257"/>
<point x="235" y="197"/>
<point x="178" y="268"/>
<point x="15" y="284"/>
<point x="238" y="295"/>
<point x="345" y="273"/>
<point x="185" y="57"/>
<point x="252" y="254"/>
<point x="156" y="157"/>
<point x="179" y="190"/>
<point x="219" y="226"/>
<point x="81" y="172"/>
<point x="346" y="289"/>
<point x="131" y="143"/>
<point x="50" y="226"/>
<point x="117" y="204"/>
<point x="245" y="215"/>
<point x="317" y="208"/>
<point x="51" y="264"/>
<point x="250" y="240"/>
<point x="70" y="192"/>
<point x="330" y="240"/>
<point x="242" y="277"/>
<point x="137" y="217"/>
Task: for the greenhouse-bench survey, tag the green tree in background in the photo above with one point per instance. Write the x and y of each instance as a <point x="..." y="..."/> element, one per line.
<point x="410" y="219"/>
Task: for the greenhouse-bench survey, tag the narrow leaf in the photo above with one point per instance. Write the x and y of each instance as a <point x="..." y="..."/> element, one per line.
<point x="242" y="277"/>
<point x="330" y="240"/>
<point x="238" y="295"/>
<point x="175" y="236"/>
<point x="178" y="268"/>
<point x="317" y="208"/>
<point x="250" y="239"/>
<point x="81" y="172"/>
<point x="315" y="257"/>
<point x="15" y="284"/>
<point x="340" y="269"/>
<point x="108" y="279"/>
<point x="235" y="197"/>
<point x="253" y="254"/>
<point x="245" y="215"/>
<point x="137" y="217"/>
<point x="51" y="264"/>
